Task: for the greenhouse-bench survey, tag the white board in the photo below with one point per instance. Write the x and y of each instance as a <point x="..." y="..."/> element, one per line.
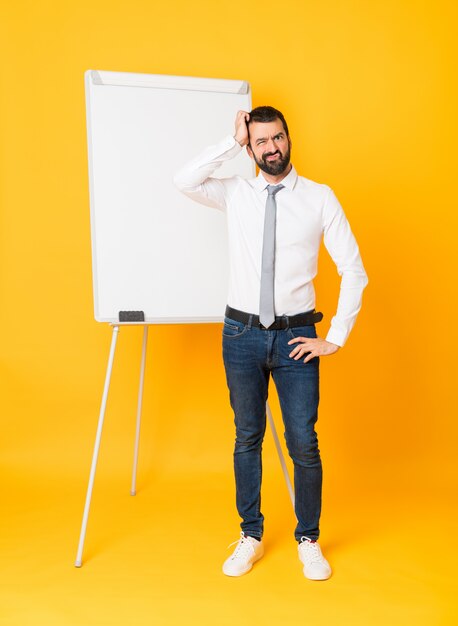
<point x="154" y="249"/>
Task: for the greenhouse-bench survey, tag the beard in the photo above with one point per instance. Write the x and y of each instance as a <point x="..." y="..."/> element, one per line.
<point x="274" y="168"/>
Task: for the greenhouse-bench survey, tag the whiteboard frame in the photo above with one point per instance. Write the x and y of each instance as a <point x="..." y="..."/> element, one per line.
<point x="99" y="77"/>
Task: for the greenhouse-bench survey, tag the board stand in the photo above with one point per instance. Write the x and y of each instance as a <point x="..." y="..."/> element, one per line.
<point x="133" y="489"/>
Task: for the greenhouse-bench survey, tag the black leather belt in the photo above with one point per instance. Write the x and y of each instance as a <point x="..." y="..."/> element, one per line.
<point x="285" y="321"/>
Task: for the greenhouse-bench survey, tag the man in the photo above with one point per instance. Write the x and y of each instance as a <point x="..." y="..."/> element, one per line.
<point x="275" y="225"/>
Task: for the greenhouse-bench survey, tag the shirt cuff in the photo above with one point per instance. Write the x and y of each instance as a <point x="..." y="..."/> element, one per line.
<point x="336" y="336"/>
<point x="230" y="146"/>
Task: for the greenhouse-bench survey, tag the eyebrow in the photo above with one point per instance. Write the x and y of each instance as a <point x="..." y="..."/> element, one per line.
<point x="280" y="133"/>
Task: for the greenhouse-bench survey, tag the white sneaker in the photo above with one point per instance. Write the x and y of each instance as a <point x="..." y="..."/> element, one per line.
<point x="315" y="565"/>
<point x="248" y="551"/>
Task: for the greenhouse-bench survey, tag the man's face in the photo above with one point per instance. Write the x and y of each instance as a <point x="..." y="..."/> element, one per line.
<point x="269" y="146"/>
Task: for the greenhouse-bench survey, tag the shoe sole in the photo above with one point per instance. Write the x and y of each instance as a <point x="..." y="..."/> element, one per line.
<point x="316" y="578"/>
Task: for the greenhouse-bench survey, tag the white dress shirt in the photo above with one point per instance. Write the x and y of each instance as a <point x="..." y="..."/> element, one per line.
<point x="306" y="211"/>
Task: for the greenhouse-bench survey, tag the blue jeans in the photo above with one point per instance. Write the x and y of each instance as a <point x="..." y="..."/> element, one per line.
<point x="250" y="355"/>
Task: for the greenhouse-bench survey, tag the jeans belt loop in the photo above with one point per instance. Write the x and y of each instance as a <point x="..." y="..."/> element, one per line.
<point x="250" y="320"/>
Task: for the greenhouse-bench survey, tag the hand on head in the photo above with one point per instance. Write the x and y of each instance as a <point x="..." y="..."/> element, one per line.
<point x="241" y="128"/>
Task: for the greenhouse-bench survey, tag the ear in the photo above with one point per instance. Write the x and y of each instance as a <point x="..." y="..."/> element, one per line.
<point x="249" y="150"/>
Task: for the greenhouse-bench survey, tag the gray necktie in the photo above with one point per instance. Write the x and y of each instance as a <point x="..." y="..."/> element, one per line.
<point x="266" y="303"/>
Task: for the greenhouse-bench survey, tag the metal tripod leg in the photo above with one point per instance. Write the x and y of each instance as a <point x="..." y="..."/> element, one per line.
<point x="280" y="453"/>
<point x="96" y="447"/>
<point x="133" y="489"/>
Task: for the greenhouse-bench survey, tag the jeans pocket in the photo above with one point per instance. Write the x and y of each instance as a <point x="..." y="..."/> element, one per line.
<point x="232" y="328"/>
<point x="303" y="331"/>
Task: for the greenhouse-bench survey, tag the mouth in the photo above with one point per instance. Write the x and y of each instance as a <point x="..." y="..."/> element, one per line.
<point x="272" y="157"/>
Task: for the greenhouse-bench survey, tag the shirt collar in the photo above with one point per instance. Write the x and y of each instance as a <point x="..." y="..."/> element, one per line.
<point x="260" y="183"/>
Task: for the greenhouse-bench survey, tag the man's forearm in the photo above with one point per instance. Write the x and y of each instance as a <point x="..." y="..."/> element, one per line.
<point x="199" y="169"/>
<point x="349" y="305"/>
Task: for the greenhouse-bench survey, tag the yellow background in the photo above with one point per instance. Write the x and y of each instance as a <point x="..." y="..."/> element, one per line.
<point x="369" y="92"/>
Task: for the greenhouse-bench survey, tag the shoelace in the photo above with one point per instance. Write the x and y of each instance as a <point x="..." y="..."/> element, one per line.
<point x="244" y="548"/>
<point x="312" y="550"/>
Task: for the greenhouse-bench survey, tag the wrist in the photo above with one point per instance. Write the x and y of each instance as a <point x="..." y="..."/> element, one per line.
<point x="242" y="142"/>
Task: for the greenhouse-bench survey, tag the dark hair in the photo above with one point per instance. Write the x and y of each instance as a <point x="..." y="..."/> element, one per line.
<point x="268" y="114"/>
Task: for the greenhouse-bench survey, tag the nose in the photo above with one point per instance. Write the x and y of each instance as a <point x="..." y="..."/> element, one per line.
<point x="271" y="146"/>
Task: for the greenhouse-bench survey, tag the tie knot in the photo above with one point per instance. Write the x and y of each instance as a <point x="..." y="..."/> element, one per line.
<point x="273" y="189"/>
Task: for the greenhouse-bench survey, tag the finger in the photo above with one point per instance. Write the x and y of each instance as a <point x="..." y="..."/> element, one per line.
<point x="296" y="339"/>
<point x="310" y="356"/>
<point x="295" y="350"/>
<point x="304" y="346"/>
<point x="300" y="350"/>
<point x="301" y="354"/>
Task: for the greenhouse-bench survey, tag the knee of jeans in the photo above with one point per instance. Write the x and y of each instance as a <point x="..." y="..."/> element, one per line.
<point x="248" y="441"/>
<point x="305" y="453"/>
